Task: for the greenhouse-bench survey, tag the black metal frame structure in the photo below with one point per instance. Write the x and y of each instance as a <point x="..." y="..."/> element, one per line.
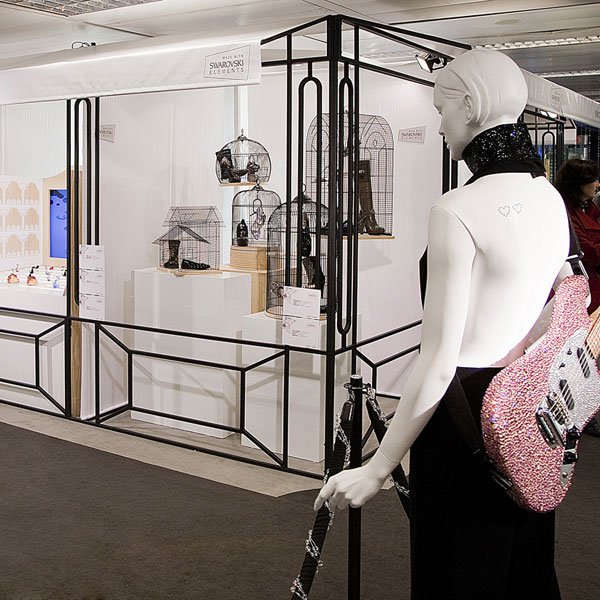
<point x="549" y="135"/>
<point x="339" y="91"/>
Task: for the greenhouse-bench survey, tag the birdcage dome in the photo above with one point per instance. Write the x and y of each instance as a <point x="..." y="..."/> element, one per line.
<point x="243" y="162"/>
<point x="306" y="247"/>
<point x="375" y="168"/>
<point x="251" y="211"/>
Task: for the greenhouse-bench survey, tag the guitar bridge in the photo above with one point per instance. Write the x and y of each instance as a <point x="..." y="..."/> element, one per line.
<point x="549" y="427"/>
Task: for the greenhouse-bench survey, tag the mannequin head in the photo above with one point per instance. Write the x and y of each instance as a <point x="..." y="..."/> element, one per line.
<point x="477" y="91"/>
<point x="577" y="181"/>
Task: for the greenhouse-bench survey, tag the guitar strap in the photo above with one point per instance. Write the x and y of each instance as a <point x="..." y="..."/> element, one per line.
<point x="575" y="251"/>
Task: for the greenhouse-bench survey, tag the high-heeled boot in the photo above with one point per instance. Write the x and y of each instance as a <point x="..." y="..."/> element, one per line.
<point x="173" y="261"/>
<point x="366" y="217"/>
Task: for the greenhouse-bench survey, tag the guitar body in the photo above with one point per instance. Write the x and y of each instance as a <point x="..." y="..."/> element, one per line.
<point x="535" y="409"/>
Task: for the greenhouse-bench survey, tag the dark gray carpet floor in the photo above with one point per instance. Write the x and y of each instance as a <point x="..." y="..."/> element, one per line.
<point x="80" y="524"/>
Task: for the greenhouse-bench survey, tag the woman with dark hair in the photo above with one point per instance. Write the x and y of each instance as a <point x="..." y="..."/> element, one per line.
<point x="577" y="182"/>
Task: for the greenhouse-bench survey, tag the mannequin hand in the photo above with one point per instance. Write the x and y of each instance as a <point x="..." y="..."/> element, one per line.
<point x="353" y="487"/>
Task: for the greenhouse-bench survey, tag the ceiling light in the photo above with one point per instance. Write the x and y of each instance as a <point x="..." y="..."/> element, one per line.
<point x="571" y="73"/>
<point x="430" y="62"/>
<point x="74" y="7"/>
<point x="588" y="39"/>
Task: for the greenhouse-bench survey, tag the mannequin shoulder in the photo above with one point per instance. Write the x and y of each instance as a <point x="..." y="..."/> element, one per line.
<point x="455" y="200"/>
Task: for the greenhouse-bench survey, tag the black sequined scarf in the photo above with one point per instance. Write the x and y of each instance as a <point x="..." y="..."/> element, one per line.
<point x="502" y="149"/>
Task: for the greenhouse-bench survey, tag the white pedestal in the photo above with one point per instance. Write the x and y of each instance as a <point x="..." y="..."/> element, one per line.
<point x="40" y="298"/>
<point x="264" y="391"/>
<point x="211" y="304"/>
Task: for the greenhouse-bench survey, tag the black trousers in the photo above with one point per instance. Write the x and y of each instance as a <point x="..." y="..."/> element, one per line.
<point x="469" y="541"/>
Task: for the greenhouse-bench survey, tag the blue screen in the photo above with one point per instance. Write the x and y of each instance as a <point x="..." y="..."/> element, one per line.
<point x="58" y="223"/>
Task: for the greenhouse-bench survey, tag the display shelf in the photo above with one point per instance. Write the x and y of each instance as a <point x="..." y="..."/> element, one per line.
<point x="258" y="279"/>
<point x="210" y="305"/>
<point x="264" y="391"/>
<point x="182" y="272"/>
<point x="248" y="257"/>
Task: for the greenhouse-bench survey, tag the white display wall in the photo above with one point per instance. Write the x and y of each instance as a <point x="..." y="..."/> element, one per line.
<point x="388" y="282"/>
<point x="162" y="155"/>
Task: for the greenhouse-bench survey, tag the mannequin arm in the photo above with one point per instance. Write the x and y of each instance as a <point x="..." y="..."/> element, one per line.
<point x="450" y="257"/>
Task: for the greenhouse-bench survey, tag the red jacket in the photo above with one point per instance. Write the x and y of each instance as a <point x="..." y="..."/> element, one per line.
<point x="587" y="227"/>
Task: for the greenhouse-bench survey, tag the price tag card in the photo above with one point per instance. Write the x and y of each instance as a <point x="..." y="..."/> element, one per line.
<point x="305" y="333"/>
<point x="91" y="282"/>
<point x="91" y="257"/>
<point x="91" y="307"/>
<point x="301" y="302"/>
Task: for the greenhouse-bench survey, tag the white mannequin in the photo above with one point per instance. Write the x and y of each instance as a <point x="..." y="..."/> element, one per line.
<point x="495" y="248"/>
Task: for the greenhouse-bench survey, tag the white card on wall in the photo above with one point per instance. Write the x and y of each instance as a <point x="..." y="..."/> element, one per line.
<point x="91" y="282"/>
<point x="91" y="307"/>
<point x="301" y="302"/>
<point x="91" y="257"/>
<point x="305" y="333"/>
<point x="415" y="135"/>
<point x="107" y="133"/>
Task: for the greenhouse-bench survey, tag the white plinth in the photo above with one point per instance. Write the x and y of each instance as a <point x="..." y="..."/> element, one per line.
<point x="264" y="392"/>
<point x="39" y="298"/>
<point x="210" y="304"/>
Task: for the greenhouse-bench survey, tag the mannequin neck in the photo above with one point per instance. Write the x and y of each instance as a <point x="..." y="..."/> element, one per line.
<point x="505" y="143"/>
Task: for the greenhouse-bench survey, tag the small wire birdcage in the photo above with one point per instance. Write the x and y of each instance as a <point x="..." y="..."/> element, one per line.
<point x="193" y="239"/>
<point x="308" y="263"/>
<point x="375" y="170"/>
<point x="243" y="162"/>
<point x="251" y="211"/>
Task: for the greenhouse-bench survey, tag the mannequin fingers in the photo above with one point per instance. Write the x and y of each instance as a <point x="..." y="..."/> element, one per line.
<point x="326" y="491"/>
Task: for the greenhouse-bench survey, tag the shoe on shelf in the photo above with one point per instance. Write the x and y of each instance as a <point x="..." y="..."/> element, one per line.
<point x="592" y="428"/>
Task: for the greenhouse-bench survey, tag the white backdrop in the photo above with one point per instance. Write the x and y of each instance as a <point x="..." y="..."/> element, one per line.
<point x="388" y="286"/>
<point x="163" y="155"/>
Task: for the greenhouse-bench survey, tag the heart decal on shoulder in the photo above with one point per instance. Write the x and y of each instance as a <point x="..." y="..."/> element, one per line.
<point x="517" y="207"/>
<point x="504" y="210"/>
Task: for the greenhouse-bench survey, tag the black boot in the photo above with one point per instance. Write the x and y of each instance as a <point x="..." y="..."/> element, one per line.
<point x="173" y="262"/>
<point x="366" y="218"/>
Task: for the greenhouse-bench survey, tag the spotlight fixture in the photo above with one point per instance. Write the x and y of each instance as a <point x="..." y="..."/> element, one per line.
<point x="431" y="62"/>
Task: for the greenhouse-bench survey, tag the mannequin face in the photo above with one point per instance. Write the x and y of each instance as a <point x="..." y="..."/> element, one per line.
<point x="455" y="126"/>
<point x="588" y="191"/>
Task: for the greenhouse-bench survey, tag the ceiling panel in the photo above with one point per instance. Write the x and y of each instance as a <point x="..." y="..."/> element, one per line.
<point x="25" y="32"/>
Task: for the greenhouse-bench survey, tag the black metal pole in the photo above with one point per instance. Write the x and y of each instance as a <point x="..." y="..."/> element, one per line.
<point x="453" y="174"/>
<point x="354" y="516"/>
<point x="68" y="403"/>
<point x="334" y="52"/>
<point x="97" y="171"/>
<point x="97" y="373"/>
<point x="353" y="219"/>
<point x="445" y="168"/>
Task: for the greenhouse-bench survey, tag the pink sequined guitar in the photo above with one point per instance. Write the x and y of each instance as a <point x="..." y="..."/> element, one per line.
<point x="535" y="408"/>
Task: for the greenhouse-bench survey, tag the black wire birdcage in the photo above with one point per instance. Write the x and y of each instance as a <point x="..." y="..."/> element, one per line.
<point x="308" y="263"/>
<point x="251" y="211"/>
<point x="242" y="162"/>
<point x="193" y="239"/>
<point x="375" y="170"/>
